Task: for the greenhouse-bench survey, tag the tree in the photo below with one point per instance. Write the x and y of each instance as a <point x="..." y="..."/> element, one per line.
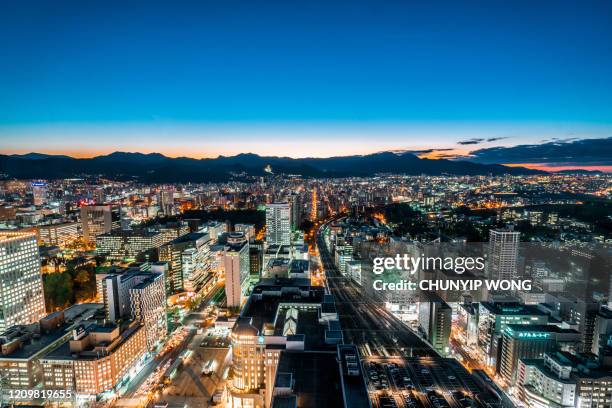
<point x="59" y="291"/>
<point x="82" y="277"/>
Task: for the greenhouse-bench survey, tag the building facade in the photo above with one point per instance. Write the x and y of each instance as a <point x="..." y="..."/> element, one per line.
<point x="95" y="220"/>
<point x="237" y="269"/>
<point x="21" y="294"/>
<point x="278" y="224"/>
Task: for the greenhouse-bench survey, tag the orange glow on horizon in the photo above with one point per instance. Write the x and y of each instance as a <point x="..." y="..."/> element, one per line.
<point x="193" y="153"/>
<point x="444" y="154"/>
<point x="548" y="167"/>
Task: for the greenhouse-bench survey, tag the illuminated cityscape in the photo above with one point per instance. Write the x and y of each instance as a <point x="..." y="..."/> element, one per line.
<point x="167" y="307"/>
<point x="321" y="204"/>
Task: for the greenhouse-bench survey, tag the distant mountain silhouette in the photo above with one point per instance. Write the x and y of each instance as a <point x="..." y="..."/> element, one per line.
<point x="581" y="152"/>
<point x="579" y="171"/>
<point x="37" y="156"/>
<point x="155" y="167"/>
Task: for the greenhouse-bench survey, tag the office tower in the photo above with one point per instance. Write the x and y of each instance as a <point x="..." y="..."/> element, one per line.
<point x="60" y="234"/>
<point x="503" y="254"/>
<point x="435" y="321"/>
<point x="594" y="388"/>
<point x="493" y="319"/>
<point x="342" y="255"/>
<point x="165" y="200"/>
<point x="610" y="295"/>
<point x="95" y="220"/>
<point x="172" y="253"/>
<point x="602" y="332"/>
<point x="255" y="259"/>
<point x="532" y="341"/>
<point x="140" y="296"/>
<point x="22" y="299"/>
<point x="99" y="196"/>
<point x="579" y="312"/>
<point x="120" y="244"/>
<point x="278" y="224"/>
<point x="295" y="202"/>
<point x="148" y="306"/>
<point x="236" y="261"/>
<point x="196" y="267"/>
<point x="39" y="193"/>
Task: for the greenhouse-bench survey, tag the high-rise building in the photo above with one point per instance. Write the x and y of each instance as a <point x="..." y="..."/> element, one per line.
<point x="165" y="200"/>
<point x="255" y="259"/>
<point x="140" y="296"/>
<point x="295" y="202"/>
<point x="95" y="220"/>
<point x="492" y="321"/>
<point x="148" y="306"/>
<point x="602" y="332"/>
<point x="435" y="318"/>
<point x="278" y="224"/>
<point x="236" y="260"/>
<point x="22" y="299"/>
<point x="532" y="341"/>
<point x="196" y="266"/>
<point x="503" y="254"/>
<point x="172" y="253"/>
<point x="39" y="193"/>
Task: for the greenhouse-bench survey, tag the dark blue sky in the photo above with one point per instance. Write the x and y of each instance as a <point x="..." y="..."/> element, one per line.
<point x="518" y="69"/>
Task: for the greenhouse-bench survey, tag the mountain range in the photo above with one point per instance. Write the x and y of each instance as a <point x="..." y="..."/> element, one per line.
<point x="155" y="167"/>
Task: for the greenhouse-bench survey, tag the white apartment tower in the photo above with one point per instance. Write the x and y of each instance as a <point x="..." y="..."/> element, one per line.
<point x="22" y="300"/>
<point x="236" y="260"/>
<point x="503" y="254"/>
<point x="278" y="224"/>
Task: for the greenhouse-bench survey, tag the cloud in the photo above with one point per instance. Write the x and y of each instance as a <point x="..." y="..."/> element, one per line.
<point x="478" y="140"/>
<point x="471" y="141"/>
<point x="583" y="152"/>
<point x="425" y="151"/>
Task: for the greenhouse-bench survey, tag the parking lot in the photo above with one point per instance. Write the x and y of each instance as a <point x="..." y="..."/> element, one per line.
<point x="418" y="382"/>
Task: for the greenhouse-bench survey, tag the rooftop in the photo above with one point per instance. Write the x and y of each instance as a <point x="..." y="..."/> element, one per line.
<point x="512" y="308"/>
<point x="316" y="378"/>
<point x="354" y="390"/>
<point x="192" y="236"/>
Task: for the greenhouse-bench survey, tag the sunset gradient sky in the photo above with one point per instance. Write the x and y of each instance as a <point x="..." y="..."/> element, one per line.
<point x="301" y="78"/>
